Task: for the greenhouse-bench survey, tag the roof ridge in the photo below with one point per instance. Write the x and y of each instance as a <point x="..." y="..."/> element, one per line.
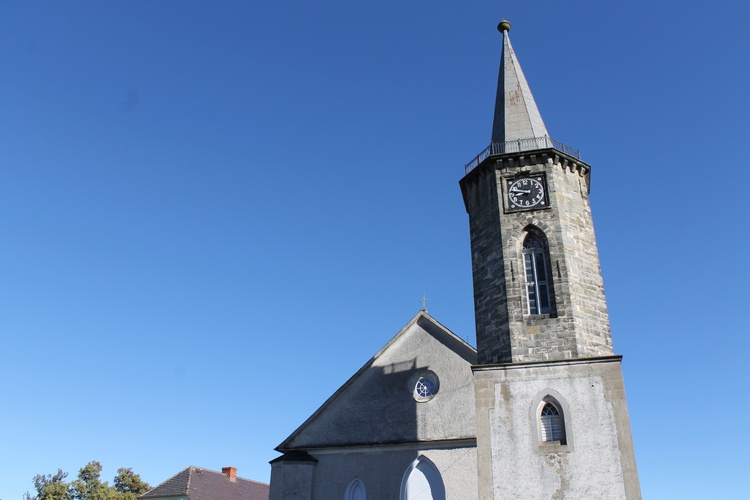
<point x="167" y="480"/>
<point x="457" y="336"/>
<point x="190" y="476"/>
<point x="253" y="481"/>
<point x="203" y="469"/>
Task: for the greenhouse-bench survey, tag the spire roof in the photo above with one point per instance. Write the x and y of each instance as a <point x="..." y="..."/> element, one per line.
<point x="516" y="114"/>
<point x="518" y="126"/>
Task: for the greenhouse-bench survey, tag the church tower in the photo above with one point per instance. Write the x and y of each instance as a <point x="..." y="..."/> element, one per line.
<point x="552" y="418"/>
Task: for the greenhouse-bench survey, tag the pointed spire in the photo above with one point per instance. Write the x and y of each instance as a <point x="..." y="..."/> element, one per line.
<point x="516" y="114"/>
<point x="518" y="126"/>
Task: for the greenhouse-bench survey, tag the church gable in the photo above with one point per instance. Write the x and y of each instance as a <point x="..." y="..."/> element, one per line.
<point x="419" y="387"/>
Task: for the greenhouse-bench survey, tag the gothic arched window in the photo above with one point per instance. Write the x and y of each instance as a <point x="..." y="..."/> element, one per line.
<point x="536" y="272"/>
<point x="355" y="490"/>
<point x="422" y="481"/>
<point x="552" y="425"/>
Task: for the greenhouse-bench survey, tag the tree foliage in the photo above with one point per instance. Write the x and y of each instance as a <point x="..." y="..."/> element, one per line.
<point x="127" y="485"/>
<point x="50" y="487"/>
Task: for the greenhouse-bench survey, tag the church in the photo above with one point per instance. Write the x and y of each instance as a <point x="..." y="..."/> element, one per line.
<point x="538" y="409"/>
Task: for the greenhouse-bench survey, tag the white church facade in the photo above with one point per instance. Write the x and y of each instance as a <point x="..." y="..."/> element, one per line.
<point x="405" y="420"/>
<point x="538" y="410"/>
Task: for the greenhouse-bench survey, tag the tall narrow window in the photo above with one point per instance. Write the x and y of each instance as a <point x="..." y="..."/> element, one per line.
<point x="355" y="490"/>
<point x="422" y="481"/>
<point x="552" y="424"/>
<point x="537" y="284"/>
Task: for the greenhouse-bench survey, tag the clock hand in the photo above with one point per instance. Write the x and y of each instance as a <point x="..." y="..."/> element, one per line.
<point x="515" y="190"/>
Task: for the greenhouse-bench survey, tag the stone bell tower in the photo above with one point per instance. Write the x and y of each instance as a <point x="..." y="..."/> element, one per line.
<point x="552" y="417"/>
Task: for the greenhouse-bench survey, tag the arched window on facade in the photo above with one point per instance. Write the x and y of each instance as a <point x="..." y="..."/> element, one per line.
<point x="552" y="424"/>
<point x="422" y="481"/>
<point x="355" y="490"/>
<point x="536" y="272"/>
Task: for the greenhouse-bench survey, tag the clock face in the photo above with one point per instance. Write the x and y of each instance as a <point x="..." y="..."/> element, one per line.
<point x="526" y="193"/>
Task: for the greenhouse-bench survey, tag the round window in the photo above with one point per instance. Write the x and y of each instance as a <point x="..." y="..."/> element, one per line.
<point x="426" y="387"/>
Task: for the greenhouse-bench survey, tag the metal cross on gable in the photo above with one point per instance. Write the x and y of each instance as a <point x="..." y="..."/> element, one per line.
<point x="424" y="302"/>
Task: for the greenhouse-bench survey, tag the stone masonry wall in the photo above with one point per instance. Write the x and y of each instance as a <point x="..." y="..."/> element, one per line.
<point x="490" y="308"/>
<point x="578" y="325"/>
<point x="584" y="281"/>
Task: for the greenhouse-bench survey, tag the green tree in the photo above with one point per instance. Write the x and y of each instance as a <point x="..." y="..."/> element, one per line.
<point x="129" y="484"/>
<point x="88" y="485"/>
<point x="51" y="487"/>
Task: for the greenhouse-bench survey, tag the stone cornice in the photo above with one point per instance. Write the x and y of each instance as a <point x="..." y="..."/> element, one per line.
<point x="552" y="362"/>
<point x="521" y="159"/>
<point x="390" y="446"/>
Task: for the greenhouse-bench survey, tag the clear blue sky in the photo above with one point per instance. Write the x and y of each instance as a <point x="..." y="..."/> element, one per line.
<point x="212" y="214"/>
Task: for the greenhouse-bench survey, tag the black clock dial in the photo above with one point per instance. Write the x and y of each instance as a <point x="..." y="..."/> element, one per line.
<point x="526" y="193"/>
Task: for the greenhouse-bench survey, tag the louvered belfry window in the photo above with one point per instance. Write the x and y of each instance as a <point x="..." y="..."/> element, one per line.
<point x="552" y="425"/>
<point x="537" y="285"/>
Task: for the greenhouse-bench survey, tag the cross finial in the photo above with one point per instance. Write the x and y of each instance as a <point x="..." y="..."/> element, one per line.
<point x="424" y="302"/>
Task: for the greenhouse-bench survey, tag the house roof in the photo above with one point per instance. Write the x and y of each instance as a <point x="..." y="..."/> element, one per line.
<point x="198" y="483"/>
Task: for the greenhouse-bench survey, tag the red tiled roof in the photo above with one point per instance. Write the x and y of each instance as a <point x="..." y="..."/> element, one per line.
<point x="202" y="484"/>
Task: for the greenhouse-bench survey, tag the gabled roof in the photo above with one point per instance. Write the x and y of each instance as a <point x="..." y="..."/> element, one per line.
<point x="516" y="114"/>
<point x="197" y="483"/>
<point x="375" y="406"/>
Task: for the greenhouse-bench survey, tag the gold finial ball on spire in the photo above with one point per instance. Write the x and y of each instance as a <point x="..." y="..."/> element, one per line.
<point x="503" y="26"/>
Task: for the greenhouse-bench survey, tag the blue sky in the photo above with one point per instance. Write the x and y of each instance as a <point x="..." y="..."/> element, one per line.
<point x="213" y="214"/>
